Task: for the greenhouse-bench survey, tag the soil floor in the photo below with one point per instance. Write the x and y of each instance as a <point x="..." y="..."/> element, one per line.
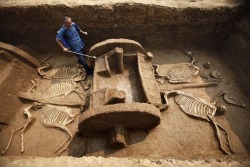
<point x="178" y="135"/>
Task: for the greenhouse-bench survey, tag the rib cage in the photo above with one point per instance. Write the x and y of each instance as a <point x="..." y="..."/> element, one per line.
<point x="63" y="72"/>
<point x="195" y="106"/>
<point x="58" y="89"/>
<point x="64" y="109"/>
<point x="182" y="73"/>
<point x="52" y="116"/>
<point x="179" y="73"/>
<point x="66" y="72"/>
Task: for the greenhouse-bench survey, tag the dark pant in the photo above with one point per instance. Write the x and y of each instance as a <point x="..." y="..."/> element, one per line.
<point x="82" y="61"/>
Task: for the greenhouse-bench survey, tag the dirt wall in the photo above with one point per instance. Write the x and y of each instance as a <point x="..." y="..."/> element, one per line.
<point x="236" y="48"/>
<point x="36" y="25"/>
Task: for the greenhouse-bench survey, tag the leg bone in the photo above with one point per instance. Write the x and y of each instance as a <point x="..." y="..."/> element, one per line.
<point x="11" y="136"/>
<point x="228" y="140"/>
<point x="219" y="135"/>
<point x="69" y="139"/>
<point x="22" y="135"/>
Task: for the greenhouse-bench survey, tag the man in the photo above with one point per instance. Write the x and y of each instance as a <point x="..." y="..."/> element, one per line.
<point x="68" y="37"/>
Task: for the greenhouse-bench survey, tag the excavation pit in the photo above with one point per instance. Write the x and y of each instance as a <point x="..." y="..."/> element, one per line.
<point x="216" y="32"/>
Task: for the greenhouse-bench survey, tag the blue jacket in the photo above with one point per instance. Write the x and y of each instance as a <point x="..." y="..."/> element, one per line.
<point x="70" y="37"/>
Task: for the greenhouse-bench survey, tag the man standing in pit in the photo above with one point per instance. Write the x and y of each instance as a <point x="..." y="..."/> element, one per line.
<point x="68" y="37"/>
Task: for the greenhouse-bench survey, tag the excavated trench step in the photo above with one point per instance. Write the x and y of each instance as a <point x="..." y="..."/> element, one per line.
<point x="217" y="31"/>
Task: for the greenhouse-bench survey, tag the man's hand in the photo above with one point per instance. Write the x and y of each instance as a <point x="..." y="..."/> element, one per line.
<point x="65" y="49"/>
<point x="83" y="32"/>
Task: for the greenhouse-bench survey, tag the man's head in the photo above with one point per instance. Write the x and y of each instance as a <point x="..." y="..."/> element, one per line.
<point x="67" y="21"/>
